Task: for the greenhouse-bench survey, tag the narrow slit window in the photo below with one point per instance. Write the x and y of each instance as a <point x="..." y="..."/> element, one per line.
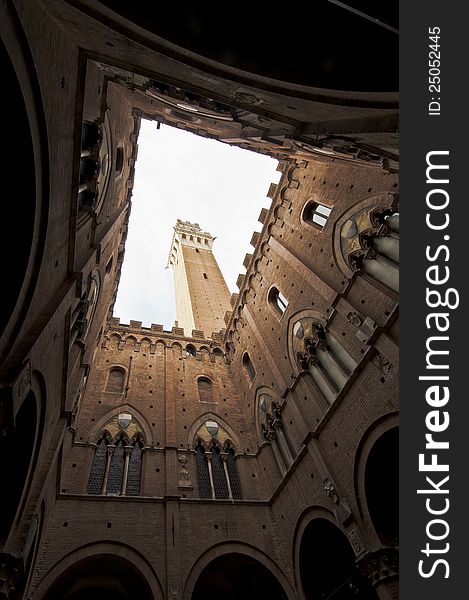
<point x="248" y="367"/>
<point x="119" y="160"/>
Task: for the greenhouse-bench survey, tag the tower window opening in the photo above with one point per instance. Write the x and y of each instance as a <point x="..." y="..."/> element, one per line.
<point x="277" y="301"/>
<point x="190" y="350"/>
<point x="205" y="389"/>
<point x="316" y="214"/>
<point x="248" y="367"/>
<point x="205" y="276"/>
<point x="115" y="381"/>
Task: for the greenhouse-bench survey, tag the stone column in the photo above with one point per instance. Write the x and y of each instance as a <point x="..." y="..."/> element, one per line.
<point x="329" y="364"/>
<point x="272" y="438"/>
<point x="339" y="351"/>
<point x="384" y="270"/>
<point x="128" y="452"/>
<point x="208" y="458"/>
<point x="387" y="246"/>
<point x="382" y="571"/>
<point x="322" y="382"/>
<point x="282" y="442"/>
<point x="224" y="456"/>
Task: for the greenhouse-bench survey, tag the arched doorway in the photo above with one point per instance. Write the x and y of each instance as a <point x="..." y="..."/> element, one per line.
<point x="382" y="486"/>
<point x="100" y="577"/>
<point x="17" y="452"/>
<point x="237" y="577"/>
<point x="327" y="565"/>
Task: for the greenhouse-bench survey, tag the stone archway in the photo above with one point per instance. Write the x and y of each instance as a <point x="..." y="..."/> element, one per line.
<point x="237" y="576"/>
<point x="100" y="570"/>
<point x="238" y="571"/>
<point x="382" y="486"/>
<point x="18" y="453"/>
<point x="103" y="577"/>
<point x="26" y="186"/>
<point x="18" y="210"/>
<point x="209" y="33"/>
<point x="327" y="566"/>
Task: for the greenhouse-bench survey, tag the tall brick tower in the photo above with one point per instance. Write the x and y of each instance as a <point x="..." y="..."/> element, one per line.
<point x="202" y="296"/>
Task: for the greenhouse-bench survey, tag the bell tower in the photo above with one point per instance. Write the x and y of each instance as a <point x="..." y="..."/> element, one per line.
<point x="202" y="296"/>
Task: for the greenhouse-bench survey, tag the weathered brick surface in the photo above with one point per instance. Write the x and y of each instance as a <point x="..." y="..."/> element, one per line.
<point x="172" y="408"/>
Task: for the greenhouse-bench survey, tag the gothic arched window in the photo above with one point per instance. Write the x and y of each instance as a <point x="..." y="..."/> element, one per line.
<point x="116" y="468"/>
<point x="203" y="475"/>
<point x="115" y="380"/>
<point x="134" y="470"/>
<point x="98" y="468"/>
<point x="205" y="389"/>
<point x="217" y="471"/>
<point x="369" y="242"/>
<point x="233" y="475"/>
<point x="319" y="352"/>
<point x="273" y="430"/>
<point x="382" y="259"/>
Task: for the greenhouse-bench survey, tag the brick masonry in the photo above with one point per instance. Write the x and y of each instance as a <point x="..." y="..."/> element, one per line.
<point x="61" y="340"/>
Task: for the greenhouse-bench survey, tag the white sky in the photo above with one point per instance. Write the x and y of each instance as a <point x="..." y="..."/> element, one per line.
<point x="179" y="175"/>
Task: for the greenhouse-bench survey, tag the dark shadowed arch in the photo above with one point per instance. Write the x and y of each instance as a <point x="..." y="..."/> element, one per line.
<point x="237" y="577"/>
<point x="19" y="209"/>
<point x="100" y="577"/>
<point x="382" y="486"/>
<point x="18" y="455"/>
<point x="207" y="32"/>
<point x="327" y="565"/>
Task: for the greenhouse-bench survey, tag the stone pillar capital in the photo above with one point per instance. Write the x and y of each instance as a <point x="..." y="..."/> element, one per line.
<point x="380" y="565"/>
